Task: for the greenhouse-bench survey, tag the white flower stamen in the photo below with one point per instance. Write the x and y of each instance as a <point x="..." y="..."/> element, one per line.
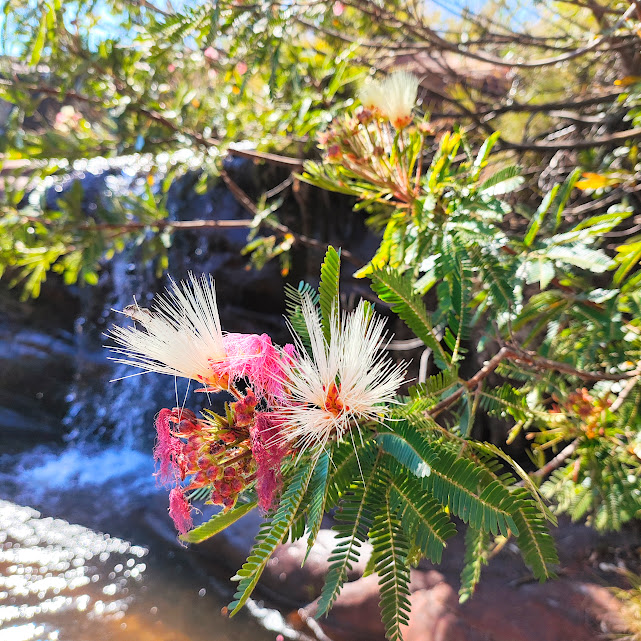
<point x="342" y="383"/>
<point x="180" y="335"/>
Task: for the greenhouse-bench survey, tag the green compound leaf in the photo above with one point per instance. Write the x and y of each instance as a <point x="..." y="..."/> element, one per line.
<point x="328" y="289"/>
<point x="391" y="549"/>
<point x="423" y="519"/>
<point x="317" y="499"/>
<point x="534" y="539"/>
<point x="458" y="483"/>
<point x="409" y="448"/>
<point x="357" y="509"/>
<point x="397" y="290"/>
<point x="217" y="523"/>
<point x="272" y="533"/>
<point x="476" y="543"/>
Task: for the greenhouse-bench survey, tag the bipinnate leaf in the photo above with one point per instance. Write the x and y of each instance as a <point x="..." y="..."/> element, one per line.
<point x="217" y="523"/>
<point x="353" y="521"/>
<point x="391" y="549"/>
<point x="328" y="288"/>
<point x="476" y="542"/>
<point x="397" y="290"/>
<point x="272" y="533"/>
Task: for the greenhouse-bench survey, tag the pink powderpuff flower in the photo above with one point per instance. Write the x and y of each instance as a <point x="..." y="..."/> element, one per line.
<point x="168" y="450"/>
<point x="269" y="451"/>
<point x="241" y="68"/>
<point x="210" y="53"/>
<point x="254" y="357"/>
<point x="180" y="511"/>
<point x="338" y="9"/>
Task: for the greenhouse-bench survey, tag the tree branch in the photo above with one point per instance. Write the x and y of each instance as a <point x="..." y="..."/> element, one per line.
<point x="515" y="353"/>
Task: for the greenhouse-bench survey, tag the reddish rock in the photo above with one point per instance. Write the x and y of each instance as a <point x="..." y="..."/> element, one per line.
<point x="507" y="606"/>
<point x="355" y="615"/>
<point x="435" y="617"/>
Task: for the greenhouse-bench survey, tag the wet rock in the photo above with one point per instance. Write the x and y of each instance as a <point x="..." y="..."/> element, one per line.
<point x="34" y="370"/>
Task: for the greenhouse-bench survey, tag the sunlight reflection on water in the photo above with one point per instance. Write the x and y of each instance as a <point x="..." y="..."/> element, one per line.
<point x="65" y="582"/>
<point x="51" y="569"/>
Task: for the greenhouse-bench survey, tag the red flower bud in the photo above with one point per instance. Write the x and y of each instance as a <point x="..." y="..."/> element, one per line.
<point x="213" y="472"/>
<point x="225" y="489"/>
<point x="229" y="502"/>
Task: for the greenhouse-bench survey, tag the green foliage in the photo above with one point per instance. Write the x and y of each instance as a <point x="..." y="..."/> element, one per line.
<point x="353" y="521"/>
<point x="476" y="544"/>
<point x="423" y="518"/>
<point x="603" y="487"/>
<point x="293" y="306"/>
<point x="534" y="539"/>
<point x="272" y="533"/>
<point x="317" y="499"/>
<point x="328" y="289"/>
<point x="397" y="291"/>
<point x="391" y="551"/>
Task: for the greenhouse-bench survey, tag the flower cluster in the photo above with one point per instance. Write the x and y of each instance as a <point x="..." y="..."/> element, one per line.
<point x="586" y="410"/>
<point x="288" y="401"/>
<point x="372" y="144"/>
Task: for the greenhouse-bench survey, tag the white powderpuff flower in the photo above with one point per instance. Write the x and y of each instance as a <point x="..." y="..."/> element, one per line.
<point x="394" y="97"/>
<point x="340" y="384"/>
<point x="371" y="96"/>
<point x="400" y="89"/>
<point x="180" y="335"/>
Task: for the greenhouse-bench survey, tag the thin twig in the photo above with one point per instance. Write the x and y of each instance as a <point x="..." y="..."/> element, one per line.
<point x="558" y="460"/>
<point x="514" y="353"/>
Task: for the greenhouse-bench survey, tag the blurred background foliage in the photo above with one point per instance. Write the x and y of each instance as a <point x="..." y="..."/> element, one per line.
<point x="555" y="81"/>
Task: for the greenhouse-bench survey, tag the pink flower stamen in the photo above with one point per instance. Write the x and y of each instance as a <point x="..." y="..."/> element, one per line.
<point x="180" y="511"/>
<point x="268" y="452"/>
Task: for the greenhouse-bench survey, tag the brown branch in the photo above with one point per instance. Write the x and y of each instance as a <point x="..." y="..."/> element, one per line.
<point x="617" y="137"/>
<point x="558" y="460"/>
<point x="484" y="372"/>
<point x="424" y="32"/>
<point x="156" y="224"/>
<point x="518" y="355"/>
<point x="274" y="159"/>
<point x="625" y="392"/>
<point x="534" y="108"/>
<point x="538" y="362"/>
